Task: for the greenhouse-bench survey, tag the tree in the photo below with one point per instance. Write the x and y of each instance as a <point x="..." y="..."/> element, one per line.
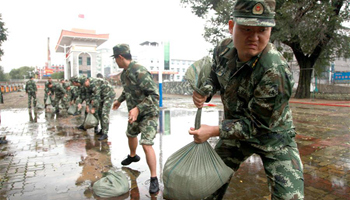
<point x="3" y="35"/>
<point x="22" y="72"/>
<point x="3" y="76"/>
<point x="57" y="75"/>
<point x="311" y="28"/>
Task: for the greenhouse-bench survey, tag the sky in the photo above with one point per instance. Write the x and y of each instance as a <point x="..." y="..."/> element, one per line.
<point x="31" y="22"/>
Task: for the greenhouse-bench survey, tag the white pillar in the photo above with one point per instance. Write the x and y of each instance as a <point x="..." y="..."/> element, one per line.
<point x="65" y="63"/>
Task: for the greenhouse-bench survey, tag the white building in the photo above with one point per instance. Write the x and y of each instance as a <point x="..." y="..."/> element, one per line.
<point x="152" y="54"/>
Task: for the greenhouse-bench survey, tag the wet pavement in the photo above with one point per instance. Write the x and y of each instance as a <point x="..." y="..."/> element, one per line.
<point x="46" y="157"/>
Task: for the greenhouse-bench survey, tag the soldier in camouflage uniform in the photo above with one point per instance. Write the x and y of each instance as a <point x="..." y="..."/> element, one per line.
<point x="31" y="91"/>
<point x="1" y="97"/>
<point x="67" y="98"/>
<point x="142" y="97"/>
<point x="60" y="92"/>
<point x="81" y="96"/>
<point x="100" y="95"/>
<point x="47" y="90"/>
<point x="255" y="83"/>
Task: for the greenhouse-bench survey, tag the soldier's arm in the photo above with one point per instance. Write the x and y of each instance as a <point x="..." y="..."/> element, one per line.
<point x="121" y="98"/>
<point x="96" y="96"/>
<point x="149" y="88"/>
<point x="213" y="79"/>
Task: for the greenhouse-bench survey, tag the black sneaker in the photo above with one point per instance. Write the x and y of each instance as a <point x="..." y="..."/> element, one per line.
<point x="103" y="137"/>
<point x="129" y="160"/>
<point x="154" y="185"/>
<point x="81" y="127"/>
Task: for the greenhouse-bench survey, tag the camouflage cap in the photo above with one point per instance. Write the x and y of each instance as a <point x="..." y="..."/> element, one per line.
<point x="254" y="12"/>
<point x="120" y="49"/>
<point x="65" y="85"/>
<point x="81" y="80"/>
<point x="74" y="79"/>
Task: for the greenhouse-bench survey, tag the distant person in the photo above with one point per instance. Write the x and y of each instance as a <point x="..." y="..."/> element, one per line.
<point x="1" y="97"/>
<point x="99" y="75"/>
<point x="60" y="92"/>
<point x="142" y="97"/>
<point x="255" y="84"/>
<point x="47" y="91"/>
<point x="31" y="91"/>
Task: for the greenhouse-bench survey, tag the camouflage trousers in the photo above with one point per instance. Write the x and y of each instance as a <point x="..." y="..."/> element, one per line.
<point x="31" y="95"/>
<point x="147" y="126"/>
<point x="57" y="100"/>
<point x="102" y="113"/>
<point x="283" y="168"/>
<point x="66" y="101"/>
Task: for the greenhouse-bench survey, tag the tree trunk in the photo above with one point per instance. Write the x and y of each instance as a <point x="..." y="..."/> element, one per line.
<point x="306" y="68"/>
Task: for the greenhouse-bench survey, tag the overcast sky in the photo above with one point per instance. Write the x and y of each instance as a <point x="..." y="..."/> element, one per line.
<point x="31" y="22"/>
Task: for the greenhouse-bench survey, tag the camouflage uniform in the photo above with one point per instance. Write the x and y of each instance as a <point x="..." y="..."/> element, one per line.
<point x="1" y="97"/>
<point x="31" y="91"/>
<point x="59" y="94"/>
<point x="47" y="90"/>
<point x="140" y="91"/>
<point x="67" y="98"/>
<point x="258" y="119"/>
<point x="255" y="95"/>
<point x="100" y="95"/>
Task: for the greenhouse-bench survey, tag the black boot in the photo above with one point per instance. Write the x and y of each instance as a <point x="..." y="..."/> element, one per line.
<point x="103" y="137"/>
<point x="81" y="127"/>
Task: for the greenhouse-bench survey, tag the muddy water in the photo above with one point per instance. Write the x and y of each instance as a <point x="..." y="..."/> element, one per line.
<point x="48" y="158"/>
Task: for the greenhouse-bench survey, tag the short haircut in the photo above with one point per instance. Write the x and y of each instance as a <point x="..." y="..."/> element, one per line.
<point x="127" y="56"/>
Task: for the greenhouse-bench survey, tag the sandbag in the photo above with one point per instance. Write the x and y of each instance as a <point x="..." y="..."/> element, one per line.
<point x="90" y="121"/>
<point x="112" y="184"/>
<point x="194" y="172"/>
<point x="48" y="101"/>
<point x="72" y="109"/>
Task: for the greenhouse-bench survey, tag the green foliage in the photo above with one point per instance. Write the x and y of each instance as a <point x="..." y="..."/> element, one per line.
<point x="22" y="72"/>
<point x="3" y="35"/>
<point x="3" y="76"/>
<point x="57" y="75"/>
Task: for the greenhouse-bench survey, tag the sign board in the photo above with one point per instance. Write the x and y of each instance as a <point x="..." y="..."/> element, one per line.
<point x="341" y="76"/>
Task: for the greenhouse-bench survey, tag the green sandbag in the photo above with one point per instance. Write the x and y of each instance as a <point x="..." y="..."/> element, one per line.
<point x="194" y="172"/>
<point x="48" y="101"/>
<point x="90" y="121"/>
<point x="72" y="109"/>
<point x="112" y="184"/>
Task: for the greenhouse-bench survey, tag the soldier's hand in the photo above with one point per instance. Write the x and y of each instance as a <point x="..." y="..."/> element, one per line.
<point x="133" y="113"/>
<point x="87" y="109"/>
<point x="198" y="99"/>
<point x="79" y="106"/>
<point x="204" y="133"/>
<point x="116" y="105"/>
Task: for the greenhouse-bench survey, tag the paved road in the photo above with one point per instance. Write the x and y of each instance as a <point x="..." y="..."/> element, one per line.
<point x="48" y="158"/>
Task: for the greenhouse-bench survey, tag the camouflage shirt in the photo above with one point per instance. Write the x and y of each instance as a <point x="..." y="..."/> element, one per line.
<point x="58" y="89"/>
<point x="98" y="90"/>
<point x="139" y="90"/>
<point x="31" y="86"/>
<point x="255" y="95"/>
<point x="47" y="89"/>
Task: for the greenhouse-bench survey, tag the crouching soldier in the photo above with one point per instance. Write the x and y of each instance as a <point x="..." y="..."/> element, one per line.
<point x="100" y="95"/>
<point x="59" y="94"/>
